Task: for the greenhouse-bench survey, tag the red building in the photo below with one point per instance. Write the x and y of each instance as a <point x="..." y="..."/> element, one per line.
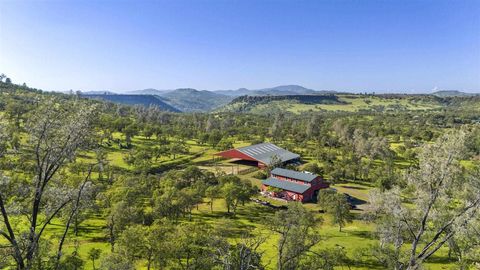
<point x="292" y="185"/>
<point x="260" y="154"/>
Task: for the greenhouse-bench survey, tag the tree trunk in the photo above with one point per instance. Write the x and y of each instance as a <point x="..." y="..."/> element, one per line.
<point x="149" y="261"/>
<point x="75" y="225"/>
<point x="112" y="236"/>
<point x="11" y="237"/>
<point x="73" y="215"/>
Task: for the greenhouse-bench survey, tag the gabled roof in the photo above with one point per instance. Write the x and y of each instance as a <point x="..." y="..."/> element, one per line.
<point x="264" y="152"/>
<point x="307" y="177"/>
<point x="285" y="185"/>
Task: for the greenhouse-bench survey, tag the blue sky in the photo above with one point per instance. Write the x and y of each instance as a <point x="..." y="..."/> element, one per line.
<point x="383" y="46"/>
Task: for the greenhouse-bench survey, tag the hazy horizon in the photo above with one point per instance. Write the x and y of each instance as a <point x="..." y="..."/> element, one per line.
<point x="340" y="91"/>
<point x="352" y="46"/>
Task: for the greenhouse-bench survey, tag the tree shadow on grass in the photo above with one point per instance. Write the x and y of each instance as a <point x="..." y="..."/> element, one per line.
<point x="357" y="201"/>
<point x="362" y="234"/>
<point x="102" y="239"/>
<point x="370" y="264"/>
<point x="440" y="260"/>
<point x="246" y="220"/>
<point x="231" y="226"/>
<point x="354" y="187"/>
<point x="88" y="230"/>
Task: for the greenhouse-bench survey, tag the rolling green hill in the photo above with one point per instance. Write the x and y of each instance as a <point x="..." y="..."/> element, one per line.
<point x="453" y="93"/>
<point x="347" y="102"/>
<point x="144" y="100"/>
<point x="281" y="90"/>
<point x="192" y="100"/>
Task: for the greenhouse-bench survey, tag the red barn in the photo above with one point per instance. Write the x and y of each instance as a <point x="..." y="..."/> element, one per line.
<point x="292" y="185"/>
<point x="260" y="154"/>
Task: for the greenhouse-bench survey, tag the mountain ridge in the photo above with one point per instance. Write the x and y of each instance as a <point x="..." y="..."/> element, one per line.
<point x="453" y="93"/>
<point x="192" y="100"/>
<point x="143" y="100"/>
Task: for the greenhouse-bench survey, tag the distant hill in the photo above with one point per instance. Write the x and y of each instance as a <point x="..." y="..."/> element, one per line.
<point x="453" y="93"/>
<point x="149" y="91"/>
<point x="144" y="100"/>
<point x="348" y="103"/>
<point x="274" y="91"/>
<point x="287" y="90"/>
<point x="99" y="92"/>
<point x="192" y="100"/>
<point x="270" y="104"/>
<point x="235" y="93"/>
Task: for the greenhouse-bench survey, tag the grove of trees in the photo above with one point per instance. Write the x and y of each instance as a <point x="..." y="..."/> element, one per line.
<point x="143" y="173"/>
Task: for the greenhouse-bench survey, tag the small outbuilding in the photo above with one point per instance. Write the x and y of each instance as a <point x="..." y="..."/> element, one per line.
<point x="260" y="154"/>
<point x="292" y="185"/>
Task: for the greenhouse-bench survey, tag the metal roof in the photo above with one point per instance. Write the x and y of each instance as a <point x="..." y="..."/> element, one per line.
<point x="307" y="177"/>
<point x="264" y="152"/>
<point x="285" y="185"/>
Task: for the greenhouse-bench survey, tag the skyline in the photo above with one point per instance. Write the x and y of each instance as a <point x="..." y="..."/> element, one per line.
<point x="381" y="46"/>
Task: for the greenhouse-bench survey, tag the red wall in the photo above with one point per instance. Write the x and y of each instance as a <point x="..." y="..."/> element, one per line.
<point x="233" y="153"/>
<point x="316" y="184"/>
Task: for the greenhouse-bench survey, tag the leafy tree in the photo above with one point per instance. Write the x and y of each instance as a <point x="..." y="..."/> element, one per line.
<point x="116" y="261"/>
<point x="443" y="201"/>
<point x="313" y="127"/>
<point x="235" y="191"/>
<point x="149" y="243"/>
<point x="160" y="151"/>
<point x="102" y="161"/>
<point x="296" y="227"/>
<point x="125" y="205"/>
<point x="313" y="168"/>
<point x="55" y="131"/>
<point x="148" y="131"/>
<point x="141" y="159"/>
<point x="224" y="144"/>
<point x="325" y="259"/>
<point x="211" y="124"/>
<point x="130" y="131"/>
<point x="177" y="149"/>
<point x="340" y="210"/>
<point x="214" y="137"/>
<point x="192" y="247"/>
<point x="71" y="262"/>
<point x="275" y="162"/>
<point x="243" y="254"/>
<point x="93" y="255"/>
<point x="212" y="193"/>
<point x="3" y="140"/>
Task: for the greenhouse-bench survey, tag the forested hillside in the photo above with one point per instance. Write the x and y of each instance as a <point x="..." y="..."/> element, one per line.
<point x="348" y="102"/>
<point x="88" y="184"/>
<point x="141" y="100"/>
<point x="281" y="90"/>
<point x="191" y="100"/>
